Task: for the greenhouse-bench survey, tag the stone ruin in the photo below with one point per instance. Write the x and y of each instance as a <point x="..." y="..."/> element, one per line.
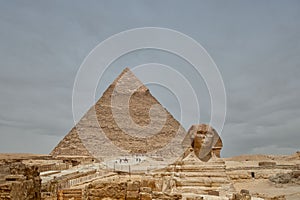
<point x="75" y="171"/>
<point x="19" y="181"/>
<point x="199" y="168"/>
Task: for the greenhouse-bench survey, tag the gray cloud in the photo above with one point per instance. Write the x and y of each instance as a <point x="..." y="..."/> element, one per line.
<point x="255" y="44"/>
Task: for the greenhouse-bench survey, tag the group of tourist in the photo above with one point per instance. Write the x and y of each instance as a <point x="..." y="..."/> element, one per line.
<point x="126" y="160"/>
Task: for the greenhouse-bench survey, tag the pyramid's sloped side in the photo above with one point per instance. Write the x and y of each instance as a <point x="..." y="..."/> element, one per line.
<point x="140" y="103"/>
<point x="70" y="145"/>
<point x="100" y="120"/>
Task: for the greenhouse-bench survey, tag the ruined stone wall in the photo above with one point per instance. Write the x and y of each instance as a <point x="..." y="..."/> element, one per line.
<point x="51" y="188"/>
<point x="262" y="171"/>
<point x="19" y="181"/>
<point x="145" y="189"/>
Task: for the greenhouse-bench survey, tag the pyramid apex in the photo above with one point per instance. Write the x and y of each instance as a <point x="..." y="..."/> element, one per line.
<point x="126" y="69"/>
<point x="130" y="77"/>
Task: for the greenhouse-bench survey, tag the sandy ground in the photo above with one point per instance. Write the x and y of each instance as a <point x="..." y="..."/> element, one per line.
<point x="261" y="157"/>
<point x="291" y="191"/>
<point x="22" y="156"/>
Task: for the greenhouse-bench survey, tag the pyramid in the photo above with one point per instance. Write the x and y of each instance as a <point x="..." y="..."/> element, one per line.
<point x="126" y="119"/>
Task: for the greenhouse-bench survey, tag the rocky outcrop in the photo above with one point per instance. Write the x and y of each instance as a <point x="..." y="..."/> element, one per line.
<point x="284" y="178"/>
<point x="242" y="195"/>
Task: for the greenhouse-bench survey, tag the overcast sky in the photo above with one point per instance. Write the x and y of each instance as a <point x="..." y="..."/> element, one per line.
<point x="255" y="44"/>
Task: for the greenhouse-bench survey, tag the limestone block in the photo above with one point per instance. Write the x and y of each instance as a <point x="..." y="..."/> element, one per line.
<point x="266" y="164"/>
<point x="195" y="198"/>
<point x="214" y="193"/>
<point x="132" y="195"/>
<point x="246" y="197"/>
<point x="244" y="191"/>
<point x="155" y="185"/>
<point x="133" y="186"/>
<point x="145" y="196"/>
<point x="146" y="189"/>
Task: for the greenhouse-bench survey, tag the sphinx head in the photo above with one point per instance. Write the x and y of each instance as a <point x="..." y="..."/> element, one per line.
<point x="205" y="141"/>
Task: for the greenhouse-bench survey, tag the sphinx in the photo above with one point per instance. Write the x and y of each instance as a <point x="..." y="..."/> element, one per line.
<point x="204" y="141"/>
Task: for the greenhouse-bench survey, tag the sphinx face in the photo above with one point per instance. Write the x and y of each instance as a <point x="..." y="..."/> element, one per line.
<point x="208" y="140"/>
<point x="203" y="143"/>
<point x="204" y="140"/>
